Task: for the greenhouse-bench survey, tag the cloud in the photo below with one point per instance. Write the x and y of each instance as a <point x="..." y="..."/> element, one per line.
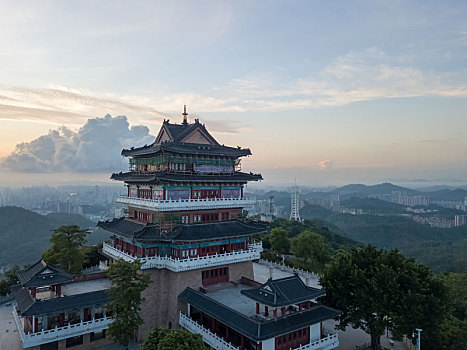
<point x="94" y="148"/>
<point x="357" y="76"/>
<point x="325" y="164"/>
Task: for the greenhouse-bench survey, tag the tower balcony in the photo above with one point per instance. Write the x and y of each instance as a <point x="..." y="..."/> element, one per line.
<point x="59" y="333"/>
<point x="186" y="204"/>
<point x="178" y="265"/>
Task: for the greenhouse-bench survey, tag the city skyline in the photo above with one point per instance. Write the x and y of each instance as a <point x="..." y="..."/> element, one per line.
<point x="325" y="93"/>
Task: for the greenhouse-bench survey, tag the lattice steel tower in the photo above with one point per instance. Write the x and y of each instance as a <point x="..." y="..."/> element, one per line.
<point x="294" y="207"/>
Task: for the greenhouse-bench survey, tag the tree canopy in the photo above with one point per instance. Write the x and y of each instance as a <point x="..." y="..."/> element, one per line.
<point x="66" y="251"/>
<point x="311" y="247"/>
<point x="180" y="339"/>
<point x="279" y="241"/>
<point x="127" y="284"/>
<point x="377" y="289"/>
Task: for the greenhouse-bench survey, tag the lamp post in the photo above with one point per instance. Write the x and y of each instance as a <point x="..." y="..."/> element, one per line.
<point x="418" y="337"/>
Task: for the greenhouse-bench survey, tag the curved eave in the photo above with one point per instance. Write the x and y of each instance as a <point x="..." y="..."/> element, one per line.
<point x="183" y="233"/>
<point x="187" y="148"/>
<point x="164" y="177"/>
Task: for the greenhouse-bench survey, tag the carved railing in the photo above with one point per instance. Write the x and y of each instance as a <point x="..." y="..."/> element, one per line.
<point x="177" y="265"/>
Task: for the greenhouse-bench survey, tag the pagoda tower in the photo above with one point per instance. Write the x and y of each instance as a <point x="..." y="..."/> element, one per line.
<point x="185" y="198"/>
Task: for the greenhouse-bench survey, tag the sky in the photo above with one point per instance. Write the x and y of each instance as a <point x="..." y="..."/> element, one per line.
<point x="323" y="92"/>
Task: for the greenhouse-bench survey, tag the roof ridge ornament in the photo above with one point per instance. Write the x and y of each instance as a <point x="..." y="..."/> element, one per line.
<point x="185" y="114"/>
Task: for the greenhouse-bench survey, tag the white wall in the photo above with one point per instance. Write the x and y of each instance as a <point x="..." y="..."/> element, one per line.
<point x="268" y="344"/>
<point x="315" y="332"/>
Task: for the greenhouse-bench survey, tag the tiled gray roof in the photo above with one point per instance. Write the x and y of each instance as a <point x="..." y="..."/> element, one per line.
<point x="166" y="177"/>
<point x="254" y="329"/>
<point x="28" y="306"/>
<point x="42" y="274"/>
<point x="187" y="148"/>
<point x="191" y="232"/>
<point x="283" y="291"/>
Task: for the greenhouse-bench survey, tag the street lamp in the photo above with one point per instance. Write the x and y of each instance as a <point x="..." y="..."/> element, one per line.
<point x="418" y="337"/>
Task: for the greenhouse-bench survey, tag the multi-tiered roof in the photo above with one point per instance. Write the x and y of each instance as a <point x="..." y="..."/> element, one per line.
<point x="185" y="198"/>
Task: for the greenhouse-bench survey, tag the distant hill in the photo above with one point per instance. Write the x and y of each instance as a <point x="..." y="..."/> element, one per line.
<point x="373" y="205"/>
<point x="24" y="235"/>
<point x="447" y="195"/>
<point x="362" y="191"/>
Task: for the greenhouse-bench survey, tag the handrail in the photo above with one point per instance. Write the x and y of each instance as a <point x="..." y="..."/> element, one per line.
<point x="209" y="337"/>
<point x="183" y="264"/>
<point x="46" y="336"/>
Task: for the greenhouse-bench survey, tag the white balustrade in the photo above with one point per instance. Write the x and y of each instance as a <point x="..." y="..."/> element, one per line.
<point x="59" y="333"/>
<point x="186" y="204"/>
<point x="178" y="265"/>
<point x="209" y="337"/>
<point x="327" y="343"/>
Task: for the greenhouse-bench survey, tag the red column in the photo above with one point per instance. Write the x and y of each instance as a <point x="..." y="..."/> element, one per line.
<point x="266" y="310"/>
<point x="33" y="292"/>
<point x="282" y="311"/>
<point x="257" y="308"/>
<point x="275" y="312"/>
<point x="36" y="324"/>
<point x="241" y="193"/>
<point x="58" y="289"/>
<point x="242" y="342"/>
<point x="164" y="194"/>
<point x="321" y="329"/>
<point x="61" y="321"/>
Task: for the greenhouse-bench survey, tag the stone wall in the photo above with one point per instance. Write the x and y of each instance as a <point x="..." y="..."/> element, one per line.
<point x="161" y="306"/>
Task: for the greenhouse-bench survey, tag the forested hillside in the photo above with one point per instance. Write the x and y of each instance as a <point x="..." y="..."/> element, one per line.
<point x="24" y="235"/>
<point x="441" y="249"/>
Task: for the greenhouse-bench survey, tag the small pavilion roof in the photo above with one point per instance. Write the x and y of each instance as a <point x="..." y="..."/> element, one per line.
<point x="42" y="274"/>
<point x="166" y="177"/>
<point x="192" y="232"/>
<point x="282" y="292"/>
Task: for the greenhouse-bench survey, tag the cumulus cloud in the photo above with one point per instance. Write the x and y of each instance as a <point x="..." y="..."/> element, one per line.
<point x="325" y="164"/>
<point x="94" y="148"/>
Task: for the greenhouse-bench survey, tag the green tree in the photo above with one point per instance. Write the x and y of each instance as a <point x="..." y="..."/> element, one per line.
<point x="311" y="247"/>
<point x="67" y="242"/>
<point x="377" y="289"/>
<point x="180" y="339"/>
<point x="9" y="279"/>
<point x="153" y="338"/>
<point x="91" y="255"/>
<point x="127" y="284"/>
<point x="453" y="331"/>
<point x="279" y="240"/>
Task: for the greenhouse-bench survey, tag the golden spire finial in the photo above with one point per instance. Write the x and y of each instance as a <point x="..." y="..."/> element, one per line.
<point x="185" y="114"/>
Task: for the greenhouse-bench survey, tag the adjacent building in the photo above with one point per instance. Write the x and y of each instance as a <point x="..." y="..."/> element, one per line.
<point x="55" y="311"/>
